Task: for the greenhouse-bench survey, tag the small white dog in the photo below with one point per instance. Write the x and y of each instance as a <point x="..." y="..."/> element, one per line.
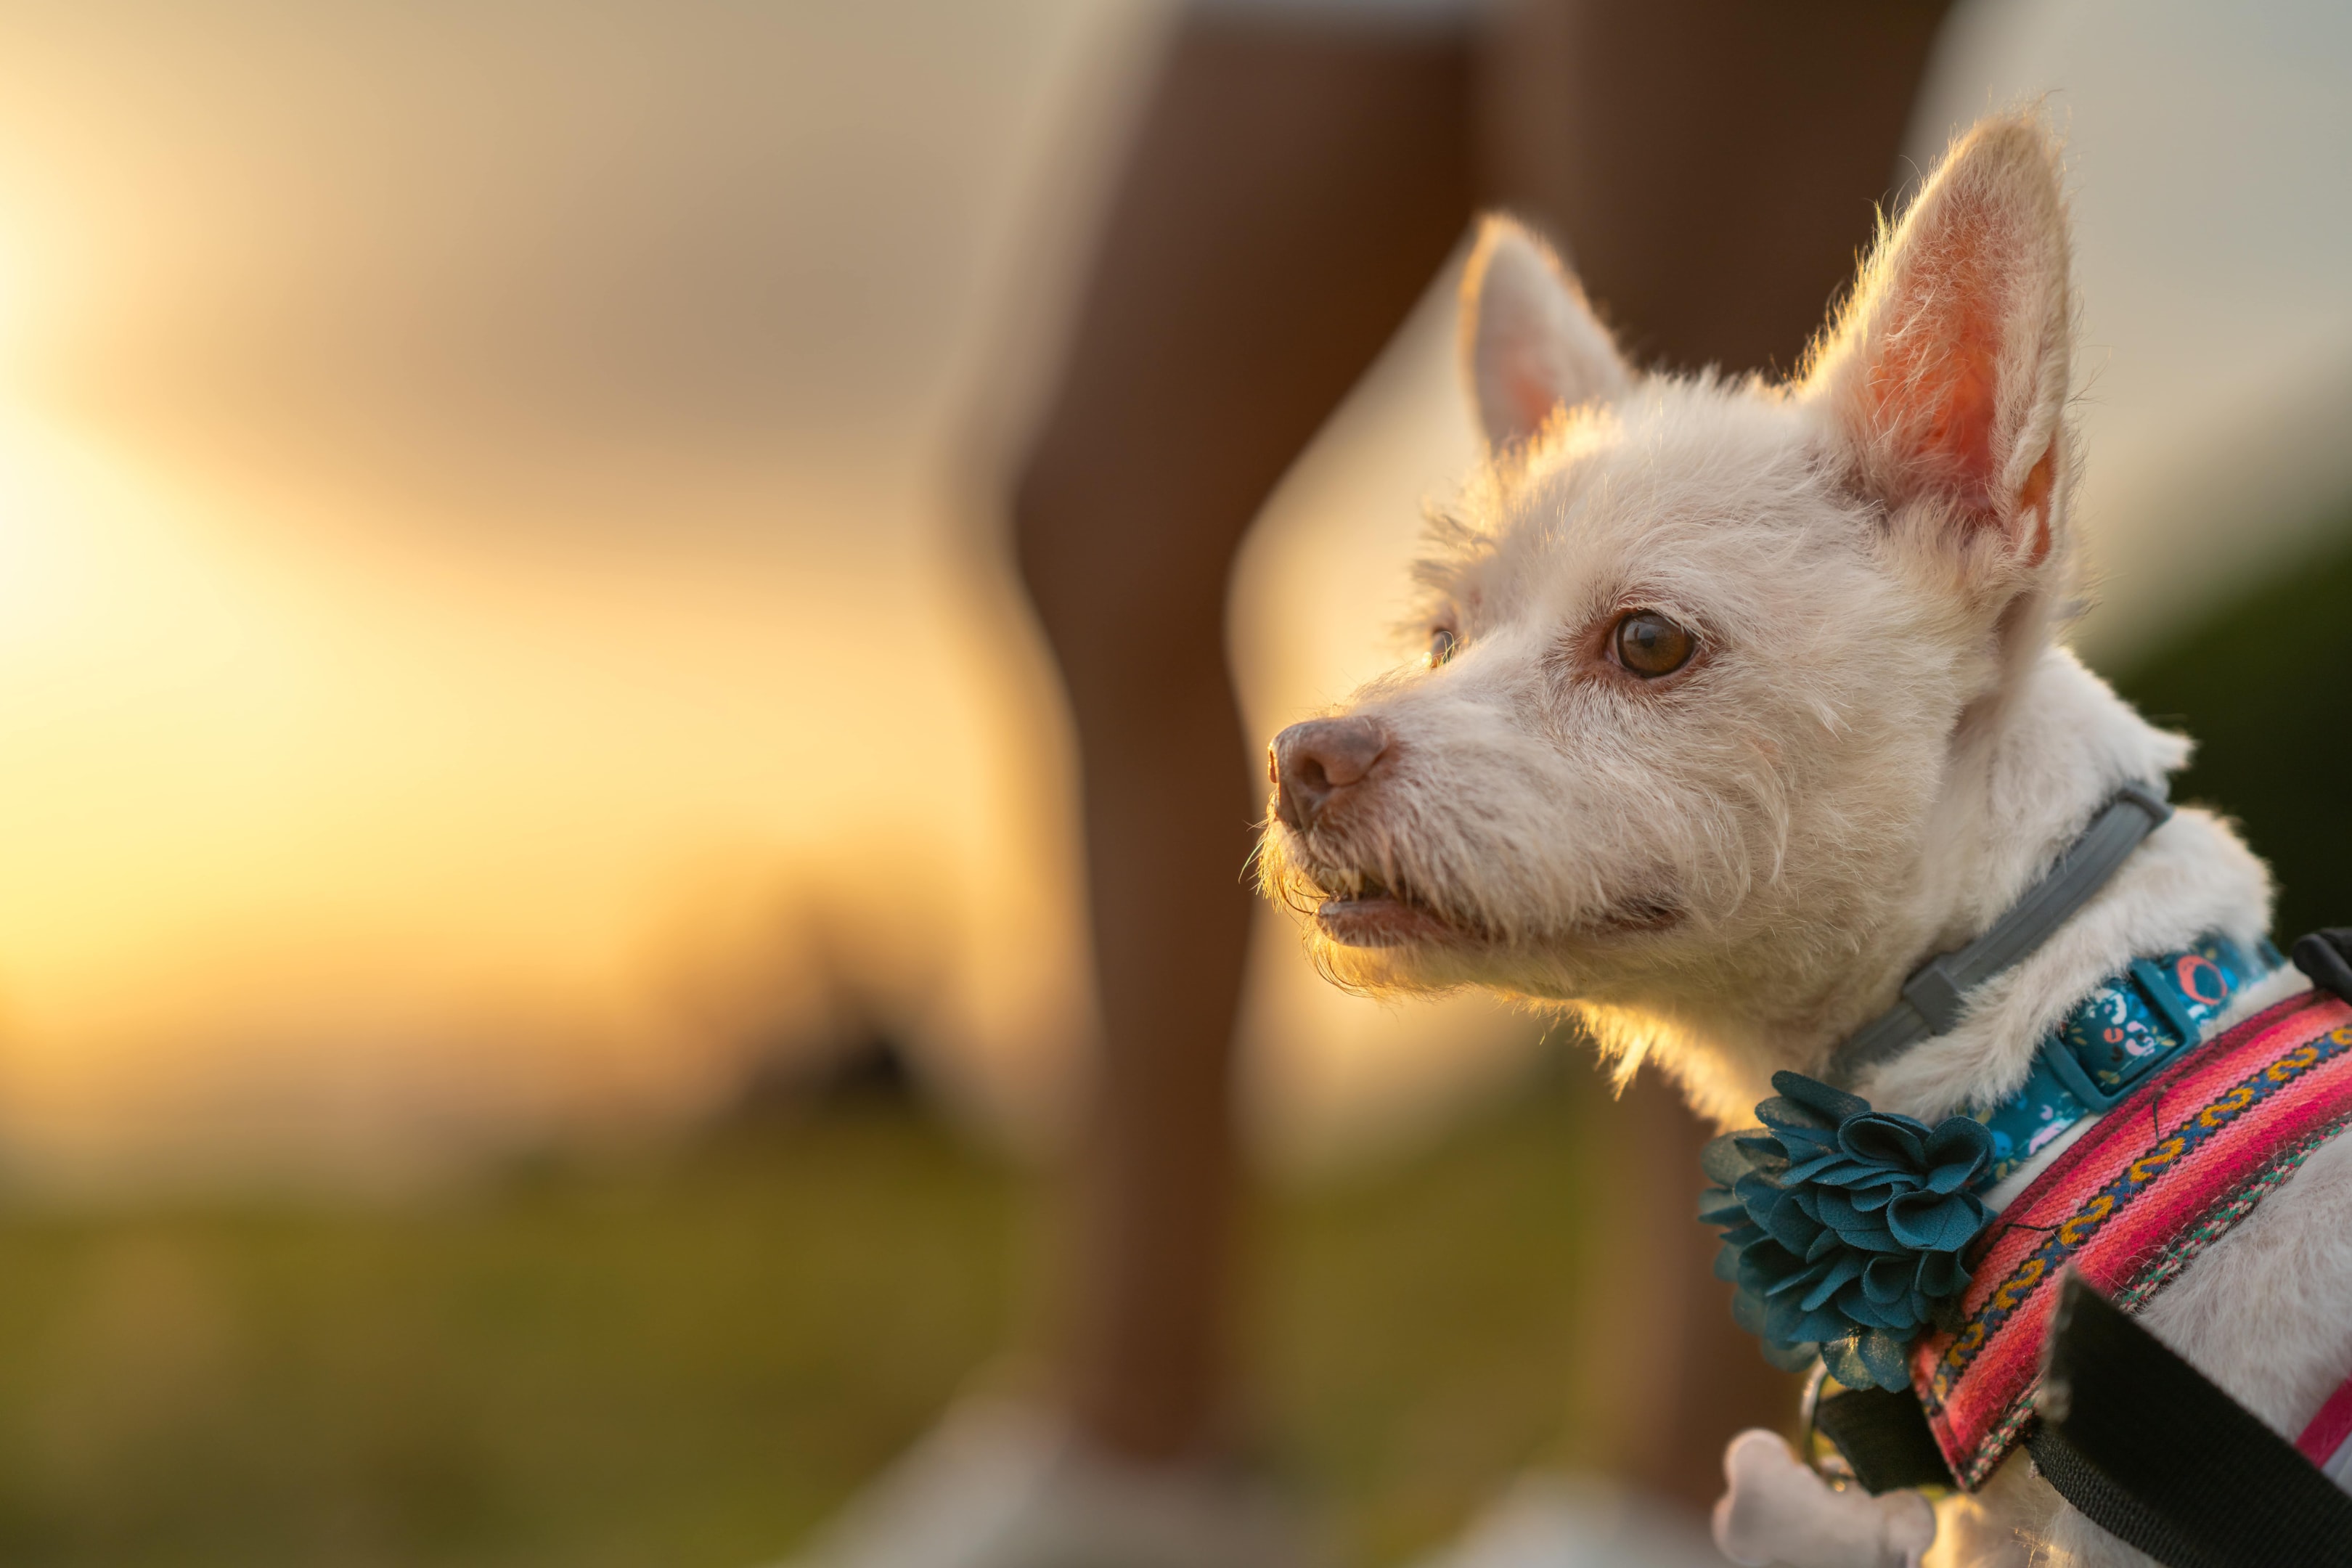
<point x="1741" y="699"/>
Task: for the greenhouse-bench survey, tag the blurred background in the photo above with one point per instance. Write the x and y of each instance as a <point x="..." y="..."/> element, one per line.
<point x="540" y="953"/>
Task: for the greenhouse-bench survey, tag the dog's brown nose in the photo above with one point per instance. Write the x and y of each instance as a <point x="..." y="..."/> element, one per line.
<point x="1311" y="763"/>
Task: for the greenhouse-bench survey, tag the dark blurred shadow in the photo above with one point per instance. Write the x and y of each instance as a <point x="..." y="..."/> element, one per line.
<point x="2265" y="687"/>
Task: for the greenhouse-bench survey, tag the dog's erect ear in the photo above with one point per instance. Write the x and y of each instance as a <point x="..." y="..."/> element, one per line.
<point x="1947" y="373"/>
<point x="1529" y="342"/>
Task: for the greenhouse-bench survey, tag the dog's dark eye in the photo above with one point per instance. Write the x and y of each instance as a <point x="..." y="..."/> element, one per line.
<point x="1650" y="644"/>
<point x="1441" y="643"/>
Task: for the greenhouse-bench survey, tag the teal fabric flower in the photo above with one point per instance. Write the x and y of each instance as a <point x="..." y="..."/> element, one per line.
<point x="1843" y="1227"/>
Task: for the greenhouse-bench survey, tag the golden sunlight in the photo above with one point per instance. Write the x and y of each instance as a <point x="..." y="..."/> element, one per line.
<point x="482" y="642"/>
<point x="348" y="836"/>
<point x="501" y="612"/>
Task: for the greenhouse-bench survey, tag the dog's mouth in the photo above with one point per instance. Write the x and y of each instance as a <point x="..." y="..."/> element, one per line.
<point x="1357" y="906"/>
<point x="1378" y="914"/>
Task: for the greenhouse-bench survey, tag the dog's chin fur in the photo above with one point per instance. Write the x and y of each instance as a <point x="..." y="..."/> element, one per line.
<point x="1877" y="749"/>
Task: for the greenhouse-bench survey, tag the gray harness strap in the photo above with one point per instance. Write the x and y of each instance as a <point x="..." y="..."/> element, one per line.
<point x="1933" y="997"/>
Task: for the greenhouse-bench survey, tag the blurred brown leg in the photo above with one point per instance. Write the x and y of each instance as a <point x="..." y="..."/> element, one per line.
<point x="1711" y="167"/>
<point x="1686" y="1377"/>
<point x="1292" y="192"/>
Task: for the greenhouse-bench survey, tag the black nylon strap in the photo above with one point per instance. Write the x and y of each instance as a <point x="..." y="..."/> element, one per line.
<point x="2114" y="1510"/>
<point x="2152" y="1452"/>
<point x="1884" y="1434"/>
<point x="2322" y="956"/>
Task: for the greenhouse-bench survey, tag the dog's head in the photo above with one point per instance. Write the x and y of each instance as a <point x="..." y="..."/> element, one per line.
<point x="1700" y="652"/>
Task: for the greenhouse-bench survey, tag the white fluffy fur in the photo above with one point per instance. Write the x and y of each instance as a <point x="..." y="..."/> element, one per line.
<point x="1878" y="747"/>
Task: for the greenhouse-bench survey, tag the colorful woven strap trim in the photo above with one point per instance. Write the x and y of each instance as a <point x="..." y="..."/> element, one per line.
<point x="2150" y="1185"/>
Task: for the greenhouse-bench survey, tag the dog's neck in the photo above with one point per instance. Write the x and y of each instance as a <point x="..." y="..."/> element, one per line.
<point x="2023" y="782"/>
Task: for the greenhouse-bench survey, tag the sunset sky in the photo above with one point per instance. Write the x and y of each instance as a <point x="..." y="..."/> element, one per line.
<point x="497" y="578"/>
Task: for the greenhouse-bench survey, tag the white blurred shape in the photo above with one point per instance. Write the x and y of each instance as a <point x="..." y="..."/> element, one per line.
<point x="1779" y="1511"/>
<point x="1002" y="1485"/>
<point x="1576" y="1522"/>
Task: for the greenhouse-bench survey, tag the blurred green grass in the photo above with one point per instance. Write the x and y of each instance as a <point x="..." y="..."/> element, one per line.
<point x="679" y="1360"/>
<point x="689" y="1356"/>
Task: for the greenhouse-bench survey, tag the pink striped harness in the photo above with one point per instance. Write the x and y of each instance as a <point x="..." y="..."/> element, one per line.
<point x="2155" y="1182"/>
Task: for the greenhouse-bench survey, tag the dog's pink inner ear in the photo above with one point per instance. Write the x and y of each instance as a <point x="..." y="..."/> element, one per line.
<point x="1948" y="372"/>
<point x="1932" y="390"/>
<point x="1529" y="388"/>
<point x="2033" y="504"/>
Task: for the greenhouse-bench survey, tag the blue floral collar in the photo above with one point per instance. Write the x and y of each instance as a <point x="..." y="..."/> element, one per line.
<point x="2129" y="1025"/>
<point x="1845" y="1227"/>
